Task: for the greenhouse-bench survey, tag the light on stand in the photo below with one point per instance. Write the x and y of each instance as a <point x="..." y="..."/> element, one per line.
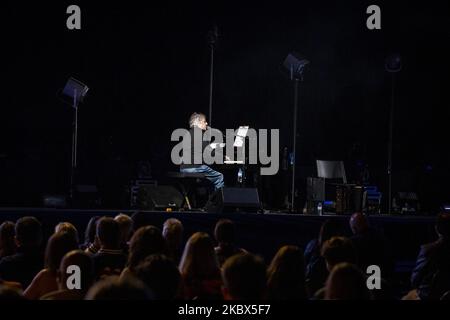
<point x="74" y="93"/>
<point x="393" y="64"/>
<point x="294" y="64"/>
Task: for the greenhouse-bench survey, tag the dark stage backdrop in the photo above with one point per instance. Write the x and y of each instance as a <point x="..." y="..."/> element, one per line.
<point x="147" y="67"/>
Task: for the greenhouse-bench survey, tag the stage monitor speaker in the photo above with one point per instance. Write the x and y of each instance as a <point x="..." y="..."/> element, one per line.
<point x="159" y="198"/>
<point x="349" y="199"/>
<point x="54" y="201"/>
<point x="241" y="199"/>
<point x="86" y="196"/>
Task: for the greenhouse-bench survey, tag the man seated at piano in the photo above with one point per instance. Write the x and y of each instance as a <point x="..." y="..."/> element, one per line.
<point x="197" y="125"/>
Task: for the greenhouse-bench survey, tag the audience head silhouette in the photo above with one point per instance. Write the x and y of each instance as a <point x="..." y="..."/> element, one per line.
<point x="443" y="225"/>
<point x="125" y="226"/>
<point x="244" y="277"/>
<point x="28" y="232"/>
<point x="224" y="231"/>
<point x="337" y="250"/>
<point x="286" y="274"/>
<point x="359" y="223"/>
<point x="346" y="282"/>
<point x="199" y="259"/>
<point x="91" y="229"/>
<point x="7" y="243"/>
<point x="161" y="275"/>
<point x="145" y="241"/>
<point x="108" y="233"/>
<point x="173" y="233"/>
<point x="67" y="227"/>
<point x="57" y="246"/>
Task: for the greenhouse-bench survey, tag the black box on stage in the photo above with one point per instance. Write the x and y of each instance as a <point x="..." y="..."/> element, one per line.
<point x="159" y="198"/>
<point x="86" y="196"/>
<point x="349" y="199"/>
<point x="315" y="193"/>
<point x="338" y="198"/>
<point x="315" y="189"/>
<point x="241" y="199"/>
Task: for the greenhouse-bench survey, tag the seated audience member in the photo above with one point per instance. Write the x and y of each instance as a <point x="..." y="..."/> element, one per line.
<point x="173" y="233"/>
<point x="336" y="250"/>
<point x="244" y="277"/>
<point x="431" y="275"/>
<point x="371" y="247"/>
<point x="8" y="293"/>
<point x="69" y="228"/>
<point x="82" y="260"/>
<point x="125" y="226"/>
<point x="316" y="271"/>
<point x="110" y="259"/>
<point x="224" y="232"/>
<point x="346" y="282"/>
<point x="113" y="288"/>
<point x="28" y="260"/>
<point x="91" y="244"/>
<point x="45" y="281"/>
<point x="199" y="269"/>
<point x="145" y="241"/>
<point x="286" y="275"/>
<point x="7" y="243"/>
<point x="161" y="276"/>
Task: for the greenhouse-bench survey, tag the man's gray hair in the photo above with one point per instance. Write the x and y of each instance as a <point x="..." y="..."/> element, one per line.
<point x="195" y="118"/>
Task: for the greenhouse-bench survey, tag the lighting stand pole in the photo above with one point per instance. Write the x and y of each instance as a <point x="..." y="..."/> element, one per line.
<point x="212" y="39"/>
<point x="391" y="127"/>
<point x="74" y="145"/>
<point x="294" y="147"/>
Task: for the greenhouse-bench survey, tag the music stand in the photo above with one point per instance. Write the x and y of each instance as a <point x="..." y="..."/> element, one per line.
<point x="331" y="170"/>
<point x="240" y="136"/>
<point x="74" y="93"/>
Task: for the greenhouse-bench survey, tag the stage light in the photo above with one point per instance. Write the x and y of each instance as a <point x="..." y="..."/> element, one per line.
<point x="295" y="64"/>
<point x="393" y="63"/>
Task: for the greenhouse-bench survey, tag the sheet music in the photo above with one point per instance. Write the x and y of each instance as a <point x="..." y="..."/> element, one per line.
<point x="233" y="162"/>
<point x="239" y="140"/>
<point x="217" y="145"/>
<point x="240" y="136"/>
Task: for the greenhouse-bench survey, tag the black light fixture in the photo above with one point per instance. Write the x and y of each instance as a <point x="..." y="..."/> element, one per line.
<point x="294" y="66"/>
<point x="393" y="63"/>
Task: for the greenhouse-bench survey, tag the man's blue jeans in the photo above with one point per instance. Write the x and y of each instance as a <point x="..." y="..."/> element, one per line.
<point x="215" y="177"/>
